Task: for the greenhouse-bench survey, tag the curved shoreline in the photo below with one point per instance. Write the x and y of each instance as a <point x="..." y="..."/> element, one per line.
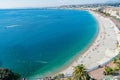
<point x="66" y="65"/>
<point x="96" y="53"/>
<point x="101" y="42"/>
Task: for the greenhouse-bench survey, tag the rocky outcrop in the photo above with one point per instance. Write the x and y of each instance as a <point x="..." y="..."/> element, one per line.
<point x="6" y="74"/>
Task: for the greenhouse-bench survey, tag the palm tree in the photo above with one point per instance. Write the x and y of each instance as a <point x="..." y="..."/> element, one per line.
<point x="117" y="62"/>
<point x="108" y="70"/>
<point x="59" y="76"/>
<point x="118" y="65"/>
<point x="68" y="79"/>
<point x="80" y="73"/>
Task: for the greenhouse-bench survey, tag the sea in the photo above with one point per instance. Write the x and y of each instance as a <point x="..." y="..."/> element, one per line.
<point x="38" y="42"/>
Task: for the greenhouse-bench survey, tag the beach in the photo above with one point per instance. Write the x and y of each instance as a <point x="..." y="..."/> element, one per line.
<point x="103" y="48"/>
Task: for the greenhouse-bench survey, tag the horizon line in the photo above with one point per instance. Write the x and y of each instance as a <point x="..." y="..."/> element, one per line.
<point x="52" y="6"/>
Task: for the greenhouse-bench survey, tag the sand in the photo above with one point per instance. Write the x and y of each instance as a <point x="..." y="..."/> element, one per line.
<point x="103" y="49"/>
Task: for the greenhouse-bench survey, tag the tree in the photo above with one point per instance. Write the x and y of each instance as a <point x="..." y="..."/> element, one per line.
<point x="108" y="70"/>
<point x="117" y="62"/>
<point x="68" y="79"/>
<point x="80" y="73"/>
<point x="59" y="76"/>
<point x="118" y="65"/>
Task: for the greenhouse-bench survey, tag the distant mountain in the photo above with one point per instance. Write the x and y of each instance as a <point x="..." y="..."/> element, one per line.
<point x="113" y="1"/>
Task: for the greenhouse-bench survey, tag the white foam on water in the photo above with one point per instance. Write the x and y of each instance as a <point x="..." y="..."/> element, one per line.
<point x="11" y="26"/>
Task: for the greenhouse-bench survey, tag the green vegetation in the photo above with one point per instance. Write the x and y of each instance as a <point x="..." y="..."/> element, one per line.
<point x="117" y="62"/>
<point x="59" y="76"/>
<point x="6" y="74"/>
<point x="118" y="19"/>
<point x="108" y="70"/>
<point x="68" y="79"/>
<point x="80" y="73"/>
<point x="106" y="14"/>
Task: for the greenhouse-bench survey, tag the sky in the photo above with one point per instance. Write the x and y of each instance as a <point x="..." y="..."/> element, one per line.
<point x="43" y="3"/>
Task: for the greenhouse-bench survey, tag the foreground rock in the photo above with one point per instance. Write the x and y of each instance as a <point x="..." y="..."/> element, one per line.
<point x="6" y="74"/>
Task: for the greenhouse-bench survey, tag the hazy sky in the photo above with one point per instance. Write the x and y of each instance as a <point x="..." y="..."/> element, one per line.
<point x="42" y="3"/>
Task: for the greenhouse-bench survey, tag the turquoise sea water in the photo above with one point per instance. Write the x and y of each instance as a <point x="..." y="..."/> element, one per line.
<point x="41" y="41"/>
